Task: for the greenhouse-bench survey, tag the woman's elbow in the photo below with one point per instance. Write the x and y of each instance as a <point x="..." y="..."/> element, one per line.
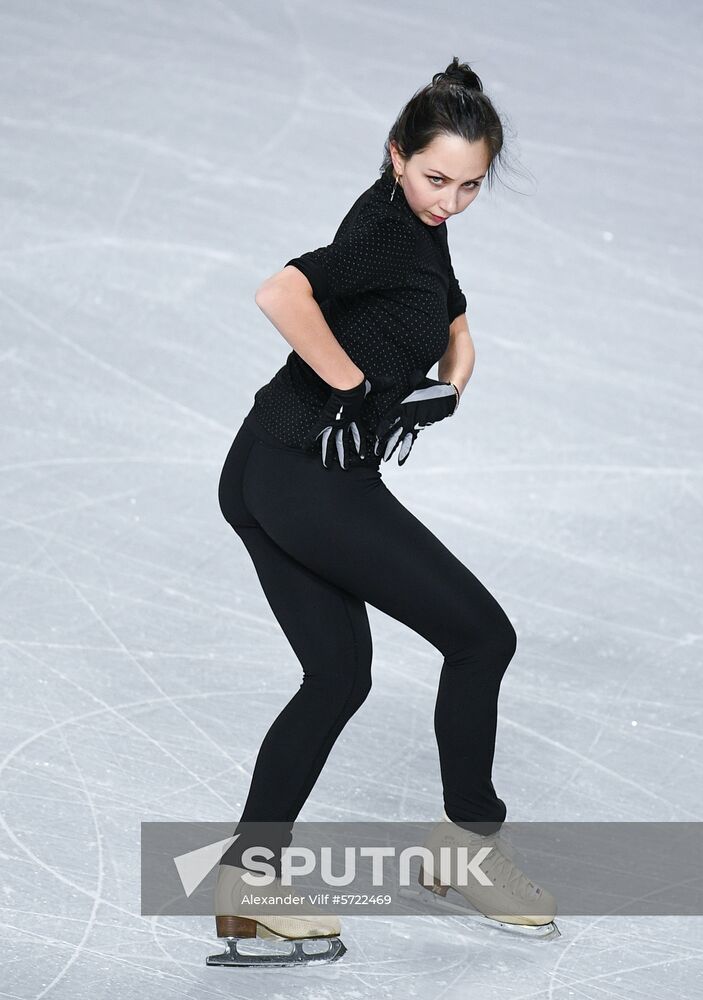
<point x="289" y="280"/>
<point x="262" y="291"/>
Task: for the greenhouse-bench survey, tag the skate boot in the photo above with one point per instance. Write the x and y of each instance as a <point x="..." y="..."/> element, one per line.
<point x="512" y="901"/>
<point x="290" y="930"/>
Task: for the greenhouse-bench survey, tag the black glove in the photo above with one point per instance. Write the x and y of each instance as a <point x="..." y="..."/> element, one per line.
<point x="339" y="418"/>
<point x="428" y="402"/>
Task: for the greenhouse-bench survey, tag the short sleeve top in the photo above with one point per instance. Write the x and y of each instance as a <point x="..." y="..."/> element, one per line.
<point x="387" y="289"/>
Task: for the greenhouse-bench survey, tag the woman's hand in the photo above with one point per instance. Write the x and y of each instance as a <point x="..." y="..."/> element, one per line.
<point x="428" y="402"/>
<point x="339" y="419"/>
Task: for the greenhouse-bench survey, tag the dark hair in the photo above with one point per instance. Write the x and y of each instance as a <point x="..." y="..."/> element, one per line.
<point x="453" y="104"/>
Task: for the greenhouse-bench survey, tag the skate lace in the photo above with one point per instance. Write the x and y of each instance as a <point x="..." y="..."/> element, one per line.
<point x="500" y="868"/>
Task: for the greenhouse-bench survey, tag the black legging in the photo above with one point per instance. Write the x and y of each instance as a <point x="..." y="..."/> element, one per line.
<point x="325" y="541"/>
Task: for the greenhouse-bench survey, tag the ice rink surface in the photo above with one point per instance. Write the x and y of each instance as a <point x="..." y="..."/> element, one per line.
<point x="159" y="161"/>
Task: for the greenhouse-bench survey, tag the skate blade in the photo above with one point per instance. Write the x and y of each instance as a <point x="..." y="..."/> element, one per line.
<point x="248" y="952"/>
<point x="458" y="906"/>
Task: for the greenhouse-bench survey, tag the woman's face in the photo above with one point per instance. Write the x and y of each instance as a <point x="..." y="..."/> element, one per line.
<point x="443" y="179"/>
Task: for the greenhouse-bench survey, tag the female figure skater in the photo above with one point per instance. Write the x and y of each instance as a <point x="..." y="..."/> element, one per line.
<point x="367" y="317"/>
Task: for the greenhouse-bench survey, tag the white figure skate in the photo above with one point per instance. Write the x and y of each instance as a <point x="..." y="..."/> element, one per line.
<point x="512" y="902"/>
<point x="293" y="931"/>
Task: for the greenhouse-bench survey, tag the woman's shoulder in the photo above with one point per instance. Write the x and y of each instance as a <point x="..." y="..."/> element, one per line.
<point x="374" y="211"/>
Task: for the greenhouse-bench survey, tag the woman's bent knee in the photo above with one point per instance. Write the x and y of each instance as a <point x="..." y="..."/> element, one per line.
<point x="500" y="641"/>
<point x="507" y="639"/>
<point x="338" y="696"/>
<point x="492" y="643"/>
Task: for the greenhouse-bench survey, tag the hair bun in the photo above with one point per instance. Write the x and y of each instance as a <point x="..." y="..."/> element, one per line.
<point x="459" y="73"/>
